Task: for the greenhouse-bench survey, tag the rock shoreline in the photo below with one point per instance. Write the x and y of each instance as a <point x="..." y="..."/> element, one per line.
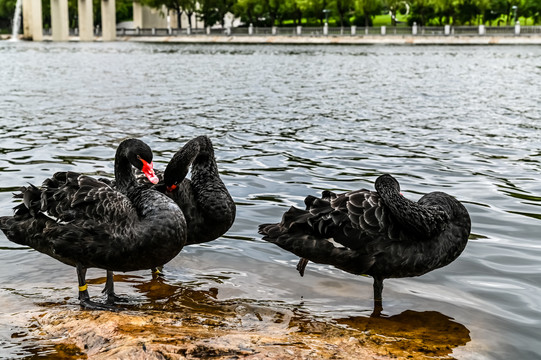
<point x="252" y="333"/>
<point x="193" y="324"/>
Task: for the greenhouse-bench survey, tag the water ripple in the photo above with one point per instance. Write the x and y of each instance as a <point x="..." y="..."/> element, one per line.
<point x="289" y="122"/>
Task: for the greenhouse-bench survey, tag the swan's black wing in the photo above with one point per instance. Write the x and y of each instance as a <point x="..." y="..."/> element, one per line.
<point x="70" y="196"/>
<point x="346" y="230"/>
<point x="352" y="219"/>
<point x="73" y="218"/>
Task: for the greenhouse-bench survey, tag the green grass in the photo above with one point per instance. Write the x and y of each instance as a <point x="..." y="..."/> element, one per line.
<point x="385" y="20"/>
<point x="378" y="20"/>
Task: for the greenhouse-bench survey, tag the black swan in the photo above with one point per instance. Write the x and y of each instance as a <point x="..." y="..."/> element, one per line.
<point x="207" y="205"/>
<point x="381" y="233"/>
<point x="85" y="223"/>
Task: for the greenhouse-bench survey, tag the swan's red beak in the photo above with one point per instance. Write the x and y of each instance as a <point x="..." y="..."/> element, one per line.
<point x="148" y="170"/>
<point x="171" y="188"/>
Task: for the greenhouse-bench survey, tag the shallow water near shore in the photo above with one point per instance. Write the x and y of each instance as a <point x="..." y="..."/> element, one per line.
<point x="286" y="122"/>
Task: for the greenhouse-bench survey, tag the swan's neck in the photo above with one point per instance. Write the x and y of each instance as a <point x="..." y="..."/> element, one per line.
<point x="124" y="176"/>
<point x="198" y="153"/>
<point x="205" y="163"/>
<point x="424" y="220"/>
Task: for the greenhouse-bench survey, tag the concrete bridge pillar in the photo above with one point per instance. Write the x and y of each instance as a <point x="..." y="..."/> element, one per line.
<point x="86" y="22"/>
<point x="32" y="20"/>
<point x="108" y="20"/>
<point x="59" y="20"/>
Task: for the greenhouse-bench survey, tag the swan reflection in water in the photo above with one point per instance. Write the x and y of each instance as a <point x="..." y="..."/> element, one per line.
<point x="412" y="333"/>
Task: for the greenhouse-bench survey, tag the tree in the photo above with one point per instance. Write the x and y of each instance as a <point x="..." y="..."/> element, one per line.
<point x="7" y="10"/>
<point x="509" y="10"/>
<point x="190" y="7"/>
<point x="342" y="7"/>
<point x="445" y="10"/>
<point x="293" y="11"/>
<point x="532" y="8"/>
<point x="392" y="6"/>
<point x="250" y="11"/>
<point x="213" y="11"/>
<point x="466" y="11"/>
<point x="494" y="10"/>
<point x="313" y="8"/>
<point x="422" y="11"/>
<point x="124" y="10"/>
<point x="368" y="8"/>
<point x="275" y="10"/>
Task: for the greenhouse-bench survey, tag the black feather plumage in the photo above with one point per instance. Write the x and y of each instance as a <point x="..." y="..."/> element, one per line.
<point x="204" y="199"/>
<point x="378" y="233"/>
<point x="84" y="222"/>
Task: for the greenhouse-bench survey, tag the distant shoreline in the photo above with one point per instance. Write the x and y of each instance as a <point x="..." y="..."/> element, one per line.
<point x="342" y="40"/>
<point x="330" y="39"/>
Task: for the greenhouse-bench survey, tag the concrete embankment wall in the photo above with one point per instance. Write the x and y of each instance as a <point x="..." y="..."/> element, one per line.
<point x="345" y="40"/>
<point x="342" y="40"/>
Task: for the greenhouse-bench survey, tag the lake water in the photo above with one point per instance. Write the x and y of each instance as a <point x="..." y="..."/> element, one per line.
<point x="286" y="122"/>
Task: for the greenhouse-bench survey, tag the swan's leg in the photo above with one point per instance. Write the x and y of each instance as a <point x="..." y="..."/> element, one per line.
<point x="378" y="308"/>
<point x="378" y="303"/>
<point x="83" y="288"/>
<point x="378" y="288"/>
<point x="301" y="266"/>
<point x="109" y="290"/>
<point x="84" y="298"/>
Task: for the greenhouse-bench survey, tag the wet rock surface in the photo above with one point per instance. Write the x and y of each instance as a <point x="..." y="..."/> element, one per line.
<point x="192" y="324"/>
<point x="161" y="335"/>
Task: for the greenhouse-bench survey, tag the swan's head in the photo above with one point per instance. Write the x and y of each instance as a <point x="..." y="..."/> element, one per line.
<point x="139" y="155"/>
<point x="175" y="172"/>
<point x="172" y="180"/>
<point x="148" y="170"/>
<point x="197" y="150"/>
<point x="386" y="183"/>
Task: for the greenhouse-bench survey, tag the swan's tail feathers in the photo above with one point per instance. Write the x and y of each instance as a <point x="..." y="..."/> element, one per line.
<point x="291" y="220"/>
<point x="31" y="204"/>
<point x="317" y="206"/>
<point x="27" y="230"/>
<point x="6" y="224"/>
<point x="28" y="223"/>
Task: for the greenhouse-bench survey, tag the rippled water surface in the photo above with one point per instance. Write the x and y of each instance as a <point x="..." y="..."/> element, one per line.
<point x="289" y="121"/>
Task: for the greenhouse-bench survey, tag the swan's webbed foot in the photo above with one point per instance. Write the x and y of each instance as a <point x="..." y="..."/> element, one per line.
<point x="109" y="290"/>
<point x="157" y="272"/>
<point x="86" y="303"/>
<point x="84" y="298"/>
<point x="92" y="305"/>
<point x="114" y="299"/>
